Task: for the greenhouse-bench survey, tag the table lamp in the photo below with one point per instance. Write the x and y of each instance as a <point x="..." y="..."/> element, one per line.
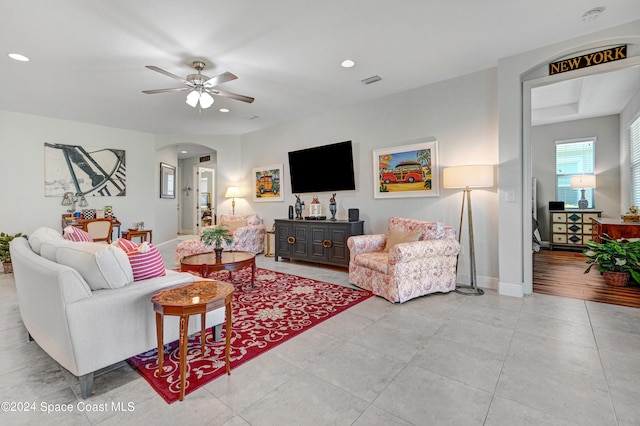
<point x="582" y="183"/>
<point x="468" y="177"/>
<point x="233" y="192"/>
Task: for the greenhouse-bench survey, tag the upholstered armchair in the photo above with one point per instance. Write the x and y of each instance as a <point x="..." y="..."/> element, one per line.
<point x="413" y="259"/>
<point x="248" y="233"/>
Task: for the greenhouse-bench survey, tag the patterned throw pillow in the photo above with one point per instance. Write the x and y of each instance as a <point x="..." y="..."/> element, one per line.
<point x="146" y="262"/>
<point x="72" y="233"/>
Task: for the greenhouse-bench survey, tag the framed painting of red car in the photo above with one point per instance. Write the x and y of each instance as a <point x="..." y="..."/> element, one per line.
<point x="268" y="182"/>
<point x="406" y="171"/>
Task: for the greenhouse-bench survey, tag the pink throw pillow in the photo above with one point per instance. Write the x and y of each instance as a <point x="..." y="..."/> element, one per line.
<point x="72" y="233"/>
<point x="146" y="262"/>
<point x="126" y="245"/>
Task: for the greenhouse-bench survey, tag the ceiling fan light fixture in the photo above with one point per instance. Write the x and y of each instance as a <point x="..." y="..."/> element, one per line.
<point x="206" y="100"/>
<point x="192" y="98"/>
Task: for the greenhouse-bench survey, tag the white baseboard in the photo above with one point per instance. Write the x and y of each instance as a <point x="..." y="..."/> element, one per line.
<point x="510" y="289"/>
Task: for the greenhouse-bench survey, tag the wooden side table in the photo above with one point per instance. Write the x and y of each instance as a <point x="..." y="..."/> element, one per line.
<point x="143" y="234"/>
<point x="184" y="300"/>
<point x="269" y="235"/>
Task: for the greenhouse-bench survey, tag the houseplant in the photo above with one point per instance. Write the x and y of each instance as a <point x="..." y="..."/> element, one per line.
<point x="216" y="236"/>
<point x="5" y="255"/>
<point x="616" y="259"/>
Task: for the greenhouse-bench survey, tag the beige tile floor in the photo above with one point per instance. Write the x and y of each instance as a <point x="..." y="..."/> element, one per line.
<point x="437" y="360"/>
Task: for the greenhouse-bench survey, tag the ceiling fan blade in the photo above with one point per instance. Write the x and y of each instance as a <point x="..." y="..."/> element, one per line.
<point x="178" y="89"/>
<point x="231" y="95"/>
<point x="219" y="79"/>
<point x="167" y="73"/>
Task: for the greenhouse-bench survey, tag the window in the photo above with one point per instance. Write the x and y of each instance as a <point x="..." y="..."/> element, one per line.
<point x="634" y="145"/>
<point x="574" y="158"/>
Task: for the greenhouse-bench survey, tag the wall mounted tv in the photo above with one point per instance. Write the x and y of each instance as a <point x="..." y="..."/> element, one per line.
<point x="322" y="168"/>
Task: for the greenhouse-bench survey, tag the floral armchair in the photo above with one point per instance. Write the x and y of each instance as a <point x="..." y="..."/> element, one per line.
<point x="413" y="259"/>
<point x="248" y="235"/>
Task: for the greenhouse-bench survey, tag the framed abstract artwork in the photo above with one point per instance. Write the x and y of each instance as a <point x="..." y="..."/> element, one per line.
<point x="167" y="181"/>
<point x="95" y="172"/>
<point x="267" y="182"/>
<point x="406" y="171"/>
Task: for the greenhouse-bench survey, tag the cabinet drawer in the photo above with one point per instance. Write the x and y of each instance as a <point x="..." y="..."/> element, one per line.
<point x="559" y="217"/>
<point x="559" y="227"/>
<point x="586" y="217"/>
<point x="559" y="238"/>
<point x="587" y="229"/>
<point x="575" y="239"/>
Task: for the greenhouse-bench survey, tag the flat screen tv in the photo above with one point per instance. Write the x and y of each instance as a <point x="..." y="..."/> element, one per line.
<point x="322" y="168"/>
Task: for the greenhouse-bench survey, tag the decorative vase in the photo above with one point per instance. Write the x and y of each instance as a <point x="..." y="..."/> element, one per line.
<point x="8" y="267"/>
<point x="333" y="208"/>
<point x="616" y="279"/>
<point x="218" y="251"/>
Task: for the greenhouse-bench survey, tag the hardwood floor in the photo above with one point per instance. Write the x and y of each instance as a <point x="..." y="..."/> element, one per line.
<point x="561" y="273"/>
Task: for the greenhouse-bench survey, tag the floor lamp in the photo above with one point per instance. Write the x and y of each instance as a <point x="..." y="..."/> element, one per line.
<point x="468" y="177"/>
<point x="233" y="192"/>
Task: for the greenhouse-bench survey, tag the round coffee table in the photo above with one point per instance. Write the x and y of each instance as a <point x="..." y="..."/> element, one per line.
<point x="207" y="263"/>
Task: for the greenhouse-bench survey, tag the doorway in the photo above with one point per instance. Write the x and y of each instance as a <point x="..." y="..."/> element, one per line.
<point x="548" y="82"/>
<point x="206" y="214"/>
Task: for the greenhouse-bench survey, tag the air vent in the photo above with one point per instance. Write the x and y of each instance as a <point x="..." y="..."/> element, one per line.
<point x="373" y="79"/>
<point x="205" y="158"/>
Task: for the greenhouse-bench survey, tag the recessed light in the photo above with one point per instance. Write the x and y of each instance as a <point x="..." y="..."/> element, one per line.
<point x="347" y="63"/>
<point x="18" y="57"/>
<point x="592" y="14"/>
<point x="224" y="110"/>
<point x="184" y="152"/>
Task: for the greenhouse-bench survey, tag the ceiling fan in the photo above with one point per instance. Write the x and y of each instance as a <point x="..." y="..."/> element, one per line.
<point x="199" y="86"/>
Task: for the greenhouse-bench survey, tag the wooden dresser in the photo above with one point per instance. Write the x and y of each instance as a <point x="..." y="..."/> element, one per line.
<point x="571" y="228"/>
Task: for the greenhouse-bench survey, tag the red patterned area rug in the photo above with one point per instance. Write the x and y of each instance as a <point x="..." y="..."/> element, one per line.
<point x="278" y="308"/>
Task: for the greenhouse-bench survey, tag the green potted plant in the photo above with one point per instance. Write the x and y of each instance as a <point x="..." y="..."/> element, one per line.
<point x="5" y="255"/>
<point x="615" y="259"/>
<point x="215" y="236"/>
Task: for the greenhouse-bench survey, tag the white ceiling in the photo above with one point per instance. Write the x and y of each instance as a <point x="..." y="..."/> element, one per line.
<point x="88" y="57"/>
<point x="595" y="95"/>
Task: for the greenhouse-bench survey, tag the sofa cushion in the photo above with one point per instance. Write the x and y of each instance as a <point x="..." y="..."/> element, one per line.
<point x="376" y="260"/>
<point x="251" y="219"/>
<point x="146" y="262"/>
<point x="49" y="248"/>
<point x="40" y="235"/>
<point x="232" y="226"/>
<point x="72" y="233"/>
<point x="397" y="237"/>
<point x="102" y="266"/>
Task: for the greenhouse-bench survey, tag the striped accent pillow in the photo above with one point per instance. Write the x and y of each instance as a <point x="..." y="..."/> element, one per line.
<point x="72" y="233"/>
<point x="126" y="245"/>
<point x="146" y="262"/>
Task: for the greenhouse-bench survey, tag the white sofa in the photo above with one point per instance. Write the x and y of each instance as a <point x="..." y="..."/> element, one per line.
<point x="85" y="330"/>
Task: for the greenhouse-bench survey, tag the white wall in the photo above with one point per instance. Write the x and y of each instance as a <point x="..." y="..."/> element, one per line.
<point x="24" y="206"/>
<point x="460" y="113"/>
<point x="607" y="163"/>
<point x="511" y="72"/>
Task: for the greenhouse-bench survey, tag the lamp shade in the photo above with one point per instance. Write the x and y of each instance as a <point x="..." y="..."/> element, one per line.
<point x="477" y="176"/>
<point x="583" y="182"/>
<point x="232" y="192"/>
<point x="192" y="98"/>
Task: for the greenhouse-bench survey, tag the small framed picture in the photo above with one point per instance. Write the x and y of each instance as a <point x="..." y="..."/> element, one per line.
<point x="268" y="183"/>
<point x="167" y="181"/>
